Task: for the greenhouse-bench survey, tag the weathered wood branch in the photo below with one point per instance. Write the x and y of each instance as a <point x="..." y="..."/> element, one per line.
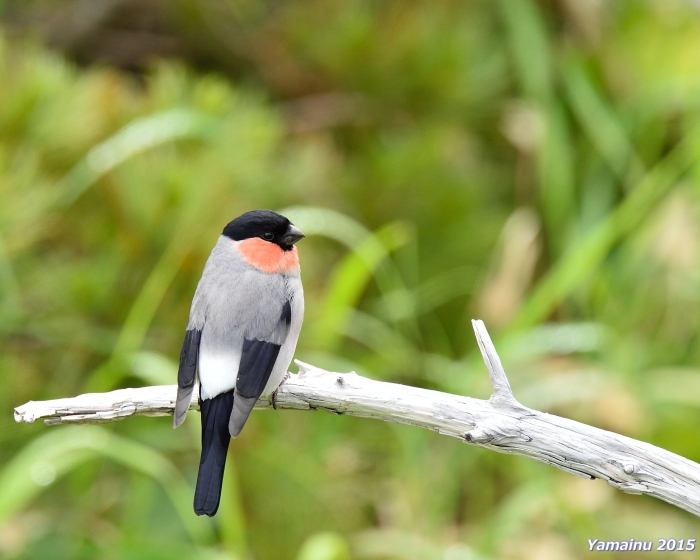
<point x="501" y="424"/>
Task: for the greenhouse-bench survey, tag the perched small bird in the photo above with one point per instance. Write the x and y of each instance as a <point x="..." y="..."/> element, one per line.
<point x="243" y="328"/>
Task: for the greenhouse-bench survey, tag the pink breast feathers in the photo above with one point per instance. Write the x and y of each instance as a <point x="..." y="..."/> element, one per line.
<point x="268" y="257"/>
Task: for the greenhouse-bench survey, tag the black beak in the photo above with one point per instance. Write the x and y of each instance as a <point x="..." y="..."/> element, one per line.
<point x="292" y="235"/>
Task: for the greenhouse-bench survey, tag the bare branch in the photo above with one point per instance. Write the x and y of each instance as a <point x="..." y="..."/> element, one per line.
<point x="501" y="388"/>
<point x="500" y="424"/>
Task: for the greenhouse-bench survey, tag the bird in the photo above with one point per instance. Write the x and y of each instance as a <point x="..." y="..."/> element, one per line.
<point x="242" y="332"/>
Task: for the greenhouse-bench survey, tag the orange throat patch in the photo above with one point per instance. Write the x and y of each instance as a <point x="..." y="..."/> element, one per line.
<point x="268" y="257"/>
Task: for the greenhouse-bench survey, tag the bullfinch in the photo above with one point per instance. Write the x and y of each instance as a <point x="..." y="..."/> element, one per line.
<point x="242" y="331"/>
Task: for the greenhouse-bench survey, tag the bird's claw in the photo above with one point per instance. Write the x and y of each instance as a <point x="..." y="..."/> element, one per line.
<point x="274" y="393"/>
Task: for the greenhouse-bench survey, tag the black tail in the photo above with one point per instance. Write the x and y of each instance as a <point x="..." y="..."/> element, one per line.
<point x="215" y="439"/>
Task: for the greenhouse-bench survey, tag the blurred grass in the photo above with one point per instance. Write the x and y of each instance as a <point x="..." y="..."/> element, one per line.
<point x="535" y="165"/>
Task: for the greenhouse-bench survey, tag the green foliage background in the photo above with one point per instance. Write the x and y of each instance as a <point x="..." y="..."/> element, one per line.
<point x="534" y="165"/>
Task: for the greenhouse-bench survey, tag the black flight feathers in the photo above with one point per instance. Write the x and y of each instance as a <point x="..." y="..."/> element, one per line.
<point x="259" y="356"/>
<point x="257" y="361"/>
<point x="186" y="374"/>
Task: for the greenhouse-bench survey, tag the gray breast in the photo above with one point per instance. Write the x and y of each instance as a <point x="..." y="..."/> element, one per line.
<point x="234" y="301"/>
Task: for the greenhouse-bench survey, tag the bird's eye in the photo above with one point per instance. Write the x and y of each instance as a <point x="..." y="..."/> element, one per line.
<point x="267" y="236"/>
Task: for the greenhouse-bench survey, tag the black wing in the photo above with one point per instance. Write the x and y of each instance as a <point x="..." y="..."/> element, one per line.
<point x="186" y="374"/>
<point x="257" y="360"/>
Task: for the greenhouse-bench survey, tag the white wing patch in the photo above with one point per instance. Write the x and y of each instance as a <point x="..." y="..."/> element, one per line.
<point x="217" y="372"/>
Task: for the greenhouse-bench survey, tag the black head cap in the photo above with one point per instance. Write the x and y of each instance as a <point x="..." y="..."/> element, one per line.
<point x="265" y="224"/>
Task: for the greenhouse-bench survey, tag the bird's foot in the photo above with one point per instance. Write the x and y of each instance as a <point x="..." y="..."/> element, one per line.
<point x="274" y="393"/>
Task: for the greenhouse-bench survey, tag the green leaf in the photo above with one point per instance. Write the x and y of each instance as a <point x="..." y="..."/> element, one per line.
<point x="324" y="546"/>
<point x="50" y="456"/>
